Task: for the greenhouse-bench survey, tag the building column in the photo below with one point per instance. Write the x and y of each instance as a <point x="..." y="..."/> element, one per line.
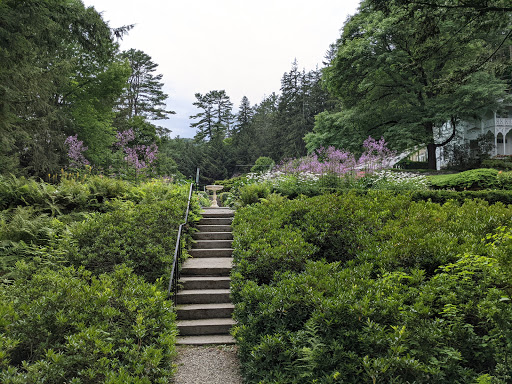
<point x="495" y="137"/>
<point x="505" y="133"/>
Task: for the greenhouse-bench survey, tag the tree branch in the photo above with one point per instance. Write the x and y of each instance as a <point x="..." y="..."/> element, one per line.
<point x="454" y="131"/>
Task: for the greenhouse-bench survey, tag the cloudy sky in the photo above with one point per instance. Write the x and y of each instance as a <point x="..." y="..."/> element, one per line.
<point x="241" y="46"/>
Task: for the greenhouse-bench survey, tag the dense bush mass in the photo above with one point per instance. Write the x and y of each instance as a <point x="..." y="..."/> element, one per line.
<point x="83" y="265"/>
<point x="69" y="326"/>
<point x="142" y="236"/>
<point x="373" y="288"/>
<point x="505" y="162"/>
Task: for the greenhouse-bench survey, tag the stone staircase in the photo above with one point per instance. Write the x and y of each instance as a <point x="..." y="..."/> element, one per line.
<point x="203" y="305"/>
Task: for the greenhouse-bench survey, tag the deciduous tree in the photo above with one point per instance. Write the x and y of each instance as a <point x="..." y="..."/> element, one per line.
<point x="53" y="54"/>
<point x="403" y="70"/>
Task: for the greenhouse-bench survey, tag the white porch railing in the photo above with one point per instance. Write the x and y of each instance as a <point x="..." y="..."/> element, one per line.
<point x="498" y="122"/>
<point x="503" y="122"/>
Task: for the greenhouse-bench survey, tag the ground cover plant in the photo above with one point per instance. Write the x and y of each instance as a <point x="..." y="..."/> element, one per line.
<point x="83" y="283"/>
<point x="373" y="287"/>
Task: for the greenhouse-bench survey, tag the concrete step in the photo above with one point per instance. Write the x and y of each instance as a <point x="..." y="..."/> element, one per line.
<point x="205" y="282"/>
<point x="207" y="266"/>
<point x="212" y="244"/>
<point x="205" y="326"/>
<point x="215" y="221"/>
<point x="214" y="228"/>
<point x="212" y="236"/>
<point x="203" y="296"/>
<point x="204" y="311"/>
<point x="205" y="340"/>
<point x="217" y="212"/>
<point x="210" y="253"/>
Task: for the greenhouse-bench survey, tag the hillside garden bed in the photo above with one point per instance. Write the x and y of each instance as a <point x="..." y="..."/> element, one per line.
<point x="84" y="269"/>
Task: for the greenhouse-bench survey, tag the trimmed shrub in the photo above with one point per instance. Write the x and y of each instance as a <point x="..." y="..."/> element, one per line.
<point x="503" y="164"/>
<point x="409" y="164"/>
<point x="442" y="196"/>
<point x="142" y="236"/>
<point x="505" y="180"/>
<point x="342" y="325"/>
<point x="263" y="164"/>
<point x="474" y="179"/>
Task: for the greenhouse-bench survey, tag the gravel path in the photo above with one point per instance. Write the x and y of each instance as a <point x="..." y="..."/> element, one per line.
<point x="212" y="365"/>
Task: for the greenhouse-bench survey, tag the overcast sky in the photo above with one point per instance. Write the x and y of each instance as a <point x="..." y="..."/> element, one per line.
<point x="241" y="46"/>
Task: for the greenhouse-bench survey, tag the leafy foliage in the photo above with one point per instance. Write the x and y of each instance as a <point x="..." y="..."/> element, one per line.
<point x="504" y="163"/>
<point x="77" y="324"/>
<point x="142" y="236"/>
<point x="475" y="179"/>
<point x="69" y="326"/>
<point x="57" y="72"/>
<point x="262" y="164"/>
<point x="372" y="287"/>
<point x="402" y="69"/>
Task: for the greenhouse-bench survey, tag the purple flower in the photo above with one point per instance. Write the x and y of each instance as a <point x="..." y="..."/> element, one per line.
<point x="332" y="160"/>
<point x="75" y="152"/>
<point x="139" y="156"/>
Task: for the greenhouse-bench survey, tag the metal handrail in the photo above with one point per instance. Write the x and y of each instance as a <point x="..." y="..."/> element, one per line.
<point x="173" y="281"/>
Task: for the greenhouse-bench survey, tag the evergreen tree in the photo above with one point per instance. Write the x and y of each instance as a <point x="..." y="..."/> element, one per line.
<point x="261" y="132"/>
<point x="244" y="115"/>
<point x="144" y="95"/>
<point x="216" y="118"/>
<point x="53" y="54"/>
<point x="243" y="133"/>
<point x="302" y="98"/>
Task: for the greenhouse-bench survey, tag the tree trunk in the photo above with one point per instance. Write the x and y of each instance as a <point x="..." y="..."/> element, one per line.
<point x="431" y="156"/>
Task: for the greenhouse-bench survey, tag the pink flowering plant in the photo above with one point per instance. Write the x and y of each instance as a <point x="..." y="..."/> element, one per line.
<point x="76" y="151"/>
<point x="138" y="157"/>
<point x="376" y="156"/>
<point x="330" y="168"/>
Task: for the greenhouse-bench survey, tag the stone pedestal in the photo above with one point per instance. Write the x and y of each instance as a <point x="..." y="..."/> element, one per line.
<point x="214" y="188"/>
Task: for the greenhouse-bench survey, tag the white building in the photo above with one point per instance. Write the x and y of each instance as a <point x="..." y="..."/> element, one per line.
<point x="497" y="124"/>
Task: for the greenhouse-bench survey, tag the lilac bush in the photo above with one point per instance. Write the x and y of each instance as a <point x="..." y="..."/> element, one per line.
<point x="139" y="156"/>
<point x="76" y="151"/>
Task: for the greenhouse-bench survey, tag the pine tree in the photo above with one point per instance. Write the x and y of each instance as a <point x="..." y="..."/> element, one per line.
<point x="216" y="118"/>
<point x="244" y="115"/>
<point x="144" y="95"/>
<point x="302" y="97"/>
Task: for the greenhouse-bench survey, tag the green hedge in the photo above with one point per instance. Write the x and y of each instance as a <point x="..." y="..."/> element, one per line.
<point x="505" y="164"/>
<point x="142" y="236"/>
<point x="442" y="196"/>
<point x="81" y="296"/>
<point x="373" y="288"/>
<point x="409" y="164"/>
<point x="475" y="179"/>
